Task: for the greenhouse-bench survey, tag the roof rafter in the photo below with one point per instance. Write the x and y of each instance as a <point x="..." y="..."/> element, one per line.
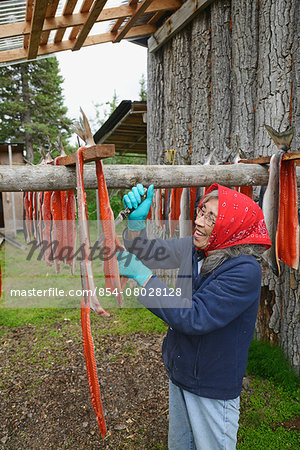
<point x="39" y="14"/>
<point x="141" y="9"/>
<point x="61" y="23"/>
<point x="94" y="13"/>
<point x="51" y="11"/>
<point x="20" y="54"/>
<point x="67" y="11"/>
<point x="119" y="22"/>
<point x="85" y="8"/>
<point x="42" y="27"/>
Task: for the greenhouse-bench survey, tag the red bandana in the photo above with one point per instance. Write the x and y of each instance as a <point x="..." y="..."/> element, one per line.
<point x="240" y="221"/>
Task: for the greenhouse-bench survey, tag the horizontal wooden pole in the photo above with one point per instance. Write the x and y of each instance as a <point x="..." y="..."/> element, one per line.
<point x="50" y="178"/>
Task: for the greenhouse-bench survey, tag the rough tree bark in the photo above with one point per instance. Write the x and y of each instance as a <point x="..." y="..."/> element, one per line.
<point x="233" y="69"/>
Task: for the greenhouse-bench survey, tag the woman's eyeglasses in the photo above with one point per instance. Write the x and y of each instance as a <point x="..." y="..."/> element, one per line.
<point x="208" y="218"/>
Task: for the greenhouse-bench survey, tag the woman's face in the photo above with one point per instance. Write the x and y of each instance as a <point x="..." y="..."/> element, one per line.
<point x="205" y="222"/>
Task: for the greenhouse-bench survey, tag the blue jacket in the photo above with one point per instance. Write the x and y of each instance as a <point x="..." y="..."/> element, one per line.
<point x="211" y="320"/>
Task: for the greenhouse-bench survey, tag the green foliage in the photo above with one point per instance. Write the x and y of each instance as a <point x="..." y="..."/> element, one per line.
<point x="143" y="89"/>
<point x="31" y="105"/>
<point x="115" y="202"/>
<point x="268" y="361"/>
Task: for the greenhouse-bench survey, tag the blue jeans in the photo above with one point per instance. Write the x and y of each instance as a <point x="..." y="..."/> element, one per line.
<point x="201" y="423"/>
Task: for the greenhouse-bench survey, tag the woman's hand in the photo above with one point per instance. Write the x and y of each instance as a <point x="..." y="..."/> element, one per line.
<point x="136" y="219"/>
<point x="131" y="267"/>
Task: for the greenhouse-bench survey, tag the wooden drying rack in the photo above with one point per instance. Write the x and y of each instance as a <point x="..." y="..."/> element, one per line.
<point x="266" y="159"/>
<point x="92" y="153"/>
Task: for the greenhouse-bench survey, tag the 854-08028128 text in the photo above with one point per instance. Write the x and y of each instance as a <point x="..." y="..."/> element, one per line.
<point x="151" y="292"/>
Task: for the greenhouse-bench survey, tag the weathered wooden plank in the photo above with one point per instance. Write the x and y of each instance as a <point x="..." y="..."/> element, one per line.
<point x="141" y="9"/>
<point x="93" y="153"/>
<point x="49" y="178"/>
<point x="67" y="11"/>
<point x="51" y="11"/>
<point x="16" y="55"/>
<point x="68" y="19"/>
<point x="176" y="22"/>
<point x="38" y="18"/>
<point x="92" y="17"/>
<point x="266" y="159"/>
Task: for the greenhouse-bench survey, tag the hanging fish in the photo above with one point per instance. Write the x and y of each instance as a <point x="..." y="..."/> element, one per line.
<point x="71" y="230"/>
<point x="57" y="229"/>
<point x="288" y="223"/>
<point x="161" y="207"/>
<point x="157" y="207"/>
<point x="184" y="218"/>
<point x="193" y="206"/>
<point x="270" y="209"/>
<point x="46" y="233"/>
<point x="174" y="210"/>
<point x="111" y="242"/>
<point x="28" y="216"/>
<point x="47" y="221"/>
<point x="280" y="205"/>
<point x="167" y="209"/>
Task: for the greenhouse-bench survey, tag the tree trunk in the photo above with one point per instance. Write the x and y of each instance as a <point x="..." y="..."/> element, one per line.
<point x="26" y="119"/>
<point x="235" y="68"/>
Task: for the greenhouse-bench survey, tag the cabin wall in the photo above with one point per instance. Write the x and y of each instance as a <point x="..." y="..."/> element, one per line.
<point x="235" y="67"/>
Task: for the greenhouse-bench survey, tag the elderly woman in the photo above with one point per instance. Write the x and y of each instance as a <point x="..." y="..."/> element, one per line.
<point x="211" y="313"/>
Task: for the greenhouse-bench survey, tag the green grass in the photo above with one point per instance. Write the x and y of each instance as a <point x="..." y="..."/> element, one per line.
<point x="272" y="397"/>
<point x="268" y="361"/>
<point x="264" y="408"/>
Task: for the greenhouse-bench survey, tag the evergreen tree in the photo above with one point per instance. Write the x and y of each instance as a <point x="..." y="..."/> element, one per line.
<point x="31" y="105"/>
<point x="143" y="89"/>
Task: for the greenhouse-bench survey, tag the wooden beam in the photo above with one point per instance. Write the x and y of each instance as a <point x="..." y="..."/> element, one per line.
<point x="67" y="11"/>
<point x="176" y="22"/>
<point x="28" y="17"/>
<point x="94" y="13"/>
<point x="61" y="23"/>
<point x="266" y="159"/>
<point x="119" y="22"/>
<point x="140" y="11"/>
<point x="39" y="14"/>
<point x="21" y="54"/>
<point x="51" y="11"/>
<point x="85" y="8"/>
<point x="89" y="154"/>
<point x="49" y="178"/>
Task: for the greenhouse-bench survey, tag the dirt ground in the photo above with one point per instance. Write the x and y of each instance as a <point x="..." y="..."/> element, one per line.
<point x="44" y="395"/>
<point x="45" y="401"/>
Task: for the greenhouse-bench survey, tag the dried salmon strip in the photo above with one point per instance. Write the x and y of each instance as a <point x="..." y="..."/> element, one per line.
<point x="287" y="239"/>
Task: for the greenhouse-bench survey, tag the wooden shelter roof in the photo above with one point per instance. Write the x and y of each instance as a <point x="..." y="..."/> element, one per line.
<point x="126" y="128"/>
<point x="35" y="28"/>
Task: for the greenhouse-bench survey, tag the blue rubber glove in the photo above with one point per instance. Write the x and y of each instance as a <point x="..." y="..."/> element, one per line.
<point x="136" y="219"/>
<point x="131" y="267"/>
